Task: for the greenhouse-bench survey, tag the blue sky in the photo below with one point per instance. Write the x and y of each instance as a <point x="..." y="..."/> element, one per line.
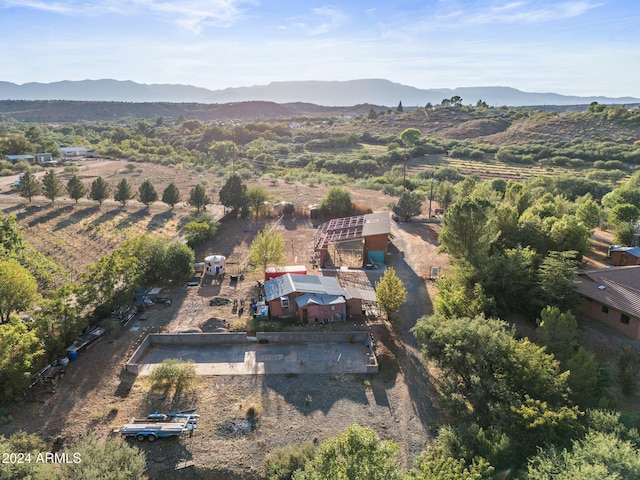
<point x="573" y="47"/>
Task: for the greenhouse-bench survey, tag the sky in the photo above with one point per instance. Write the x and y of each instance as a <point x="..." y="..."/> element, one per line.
<point x="573" y="47"/>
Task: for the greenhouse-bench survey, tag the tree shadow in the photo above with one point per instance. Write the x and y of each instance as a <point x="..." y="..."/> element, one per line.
<point x="106" y="217"/>
<point x="47" y="217"/>
<point x="159" y="220"/>
<point x="77" y="216"/>
<point x="133" y="218"/>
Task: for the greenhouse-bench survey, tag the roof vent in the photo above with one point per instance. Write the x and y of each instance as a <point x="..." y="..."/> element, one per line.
<point x="601" y="287"/>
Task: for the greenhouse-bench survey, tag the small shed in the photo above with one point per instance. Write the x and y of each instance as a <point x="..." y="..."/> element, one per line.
<point x="273" y="272"/>
<point x="216" y="264"/>
<point x="621" y="256"/>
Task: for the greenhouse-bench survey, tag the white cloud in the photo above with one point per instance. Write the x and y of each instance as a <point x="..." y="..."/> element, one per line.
<point x="193" y="15"/>
<point x="325" y="19"/>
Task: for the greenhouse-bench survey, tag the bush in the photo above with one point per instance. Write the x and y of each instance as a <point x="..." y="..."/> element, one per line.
<point x="173" y="373"/>
<point x="628" y="369"/>
<point x="282" y="462"/>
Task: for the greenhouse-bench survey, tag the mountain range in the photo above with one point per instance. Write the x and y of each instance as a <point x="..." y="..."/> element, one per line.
<point x="328" y="93"/>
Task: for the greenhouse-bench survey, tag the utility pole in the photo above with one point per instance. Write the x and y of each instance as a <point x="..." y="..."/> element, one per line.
<point x="431" y="195"/>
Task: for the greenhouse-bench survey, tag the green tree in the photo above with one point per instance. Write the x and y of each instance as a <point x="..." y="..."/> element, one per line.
<point x="390" y="292"/>
<point x="223" y="151"/>
<point x="198" y="197"/>
<point x="99" y="190"/>
<point x="18" y="288"/>
<point x="108" y="459"/>
<point x="75" y="188"/>
<point x="458" y="299"/>
<point x="336" y="203"/>
<point x="585" y="378"/>
<point x="588" y="213"/>
<point x="444" y="194"/>
<point x="409" y="205"/>
<point x="233" y="195"/>
<point x="51" y="185"/>
<point x="557" y="280"/>
<point x="202" y="228"/>
<point x="625" y="213"/>
<point x="171" y="195"/>
<point x="283" y="462"/>
<point x="176" y="374"/>
<point x="597" y="455"/>
<point x="558" y="331"/>
<point x="468" y="229"/>
<point x="628" y="369"/>
<point x="26" y="443"/>
<point x="356" y="454"/>
<point x="623" y="233"/>
<point x="29" y="186"/>
<point x="20" y="348"/>
<point x="568" y="233"/>
<point x="486" y="367"/>
<point x="123" y="192"/>
<point x="267" y="248"/>
<point x="434" y="465"/>
<point x="11" y="238"/>
<point x="410" y="137"/>
<point x="147" y="193"/>
<point x="256" y="197"/>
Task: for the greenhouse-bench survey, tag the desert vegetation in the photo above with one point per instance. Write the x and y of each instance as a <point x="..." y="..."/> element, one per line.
<point x="519" y="193"/>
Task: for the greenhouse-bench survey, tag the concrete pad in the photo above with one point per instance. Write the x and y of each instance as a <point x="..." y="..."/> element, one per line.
<point x="254" y="358"/>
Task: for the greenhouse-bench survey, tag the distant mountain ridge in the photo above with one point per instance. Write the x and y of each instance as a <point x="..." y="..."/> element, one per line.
<point x="327" y="93"/>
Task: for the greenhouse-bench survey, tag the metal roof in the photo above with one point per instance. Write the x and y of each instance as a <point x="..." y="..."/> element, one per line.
<point x="313" y="299"/>
<point x="361" y="293"/>
<point x="617" y="287"/>
<point x="635" y="251"/>
<point x="289" y="283"/>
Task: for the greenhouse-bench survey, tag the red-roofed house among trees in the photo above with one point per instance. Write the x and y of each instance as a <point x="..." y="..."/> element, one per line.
<point x="612" y="296"/>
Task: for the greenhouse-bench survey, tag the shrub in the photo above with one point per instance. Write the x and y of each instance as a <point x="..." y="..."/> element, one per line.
<point x="282" y="462"/>
<point x="173" y="373"/>
<point x="628" y="369"/>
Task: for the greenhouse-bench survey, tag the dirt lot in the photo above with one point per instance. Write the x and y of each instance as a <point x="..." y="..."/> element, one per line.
<point x="97" y="394"/>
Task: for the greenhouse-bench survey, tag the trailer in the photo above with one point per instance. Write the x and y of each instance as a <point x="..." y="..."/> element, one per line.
<point x="190" y="418"/>
<point x="151" y="431"/>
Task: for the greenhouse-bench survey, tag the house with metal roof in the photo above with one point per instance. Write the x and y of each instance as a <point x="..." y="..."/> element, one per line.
<point x="368" y="233"/>
<point x="621" y="256"/>
<point x="69" y="152"/>
<point x="16" y="158"/>
<point x="612" y="296"/>
<point x="312" y="299"/>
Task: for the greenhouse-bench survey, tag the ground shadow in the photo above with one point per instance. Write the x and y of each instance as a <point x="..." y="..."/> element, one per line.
<point x="47" y="216"/>
<point x="159" y="220"/>
<point x="106" y="217"/>
<point x="327" y="390"/>
<point x="76" y="217"/>
<point x="132" y="218"/>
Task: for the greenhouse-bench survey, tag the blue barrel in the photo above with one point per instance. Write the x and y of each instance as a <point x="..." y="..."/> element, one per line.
<point x="73" y="355"/>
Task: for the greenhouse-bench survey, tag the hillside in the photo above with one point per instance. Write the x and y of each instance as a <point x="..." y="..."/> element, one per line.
<point x="336" y="93"/>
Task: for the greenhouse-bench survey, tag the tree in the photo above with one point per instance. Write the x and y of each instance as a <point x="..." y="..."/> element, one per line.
<point x="356" y="454"/>
<point x="283" y="462"/>
<point x="99" y="190"/>
<point x="409" y="205"/>
<point x="597" y="455"/>
<point x="444" y="194"/>
<point x="223" y="151"/>
<point x="584" y="379"/>
<point x="410" y="137"/>
<point x="267" y="247"/>
<point x="468" y="229"/>
<point x="108" y="459"/>
<point x="171" y="195"/>
<point x="336" y="203"/>
<point x="487" y="369"/>
<point x="628" y="369"/>
<point x="557" y="280"/>
<point x="624" y="212"/>
<point x="399" y="108"/>
<point x="558" y="331"/>
<point x="372" y="115"/>
<point x="256" y="197"/>
<point x="588" y="213"/>
<point x="75" y="188"/>
<point x="176" y="374"/>
<point x="11" y="239"/>
<point x="20" y="348"/>
<point x="202" y="228"/>
<point x="568" y="233"/>
<point x="52" y="185"/>
<point x="390" y="292"/>
<point x="29" y="186"/>
<point x="198" y="197"/>
<point x="123" y="192"/>
<point x="147" y="193"/>
<point x="18" y="288"/>
<point x="233" y="195"/>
